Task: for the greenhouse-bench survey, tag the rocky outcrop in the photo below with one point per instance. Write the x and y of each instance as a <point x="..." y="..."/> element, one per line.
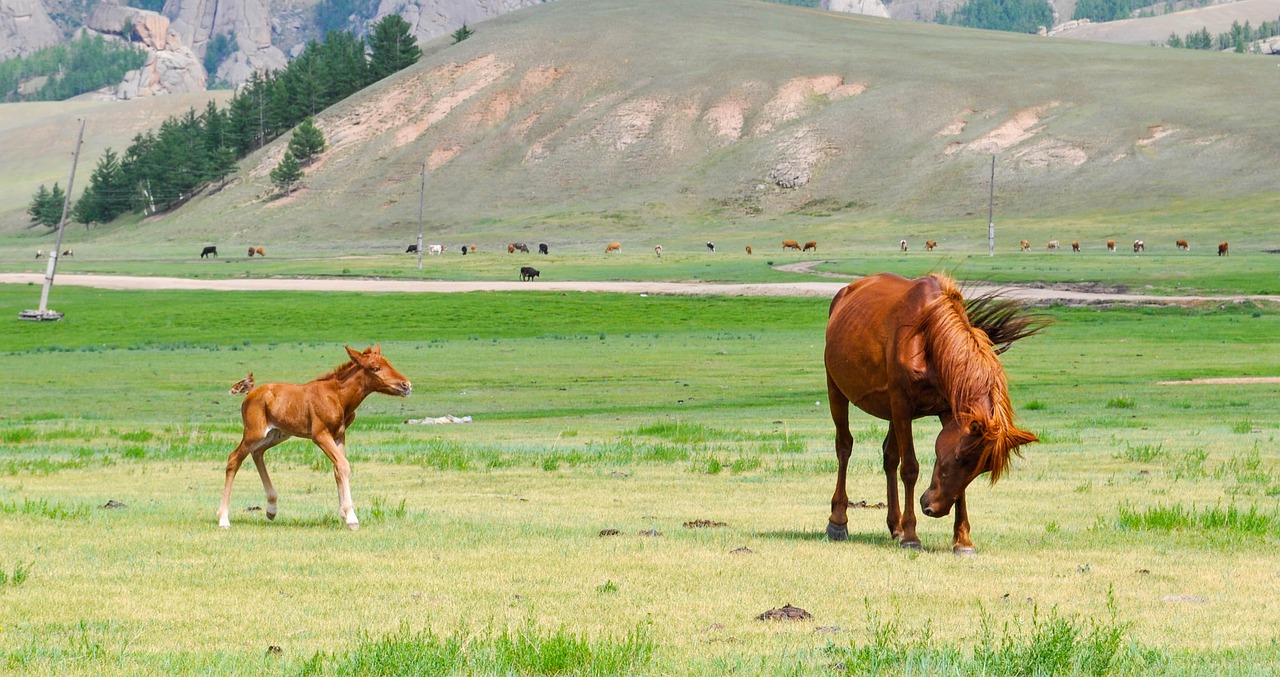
<point x="868" y="7"/>
<point x="433" y="18"/>
<point x="197" y="22"/>
<point x="25" y="27"/>
<point x="171" y="66"/>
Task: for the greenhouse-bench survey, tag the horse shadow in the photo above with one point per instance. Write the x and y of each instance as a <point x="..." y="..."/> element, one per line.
<point x="821" y="535"/>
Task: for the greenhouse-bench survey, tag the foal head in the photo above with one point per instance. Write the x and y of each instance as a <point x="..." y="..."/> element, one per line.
<point x="379" y="375"/>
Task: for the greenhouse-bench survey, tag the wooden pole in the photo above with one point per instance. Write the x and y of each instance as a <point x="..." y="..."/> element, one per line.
<point x="44" y="313"/>
<point x="991" y="212"/>
<point x="422" y="191"/>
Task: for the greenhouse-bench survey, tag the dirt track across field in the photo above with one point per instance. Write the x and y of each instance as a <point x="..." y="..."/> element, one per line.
<point x="823" y="289"/>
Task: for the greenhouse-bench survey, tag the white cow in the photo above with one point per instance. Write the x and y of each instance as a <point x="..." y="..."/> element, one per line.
<point x="436" y="249"/>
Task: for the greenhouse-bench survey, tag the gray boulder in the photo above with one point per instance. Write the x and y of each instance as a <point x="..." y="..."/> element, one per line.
<point x="25" y="27"/>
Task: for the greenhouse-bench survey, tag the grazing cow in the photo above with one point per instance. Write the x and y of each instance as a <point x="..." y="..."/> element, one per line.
<point x="657" y="251"/>
<point x="543" y="249"/>
<point x="1111" y="245"/>
<point x="208" y="251"/>
<point x="811" y="245"/>
<point x="711" y="246"/>
<point x="474" y="249"/>
<point x="1223" y="248"/>
<point x="39" y="253"/>
<point x="256" y="250"/>
<point x="68" y="252"/>
<point x="242" y="386"/>
<point x="435" y="249"/>
<point x="1139" y="246"/>
<point x="1183" y="245"/>
<point x="1053" y="244"/>
<point x="748" y="250"/>
<point x="1024" y="245"/>
<point x="412" y="249"/>
<point x="528" y="273"/>
<point x="929" y="245"/>
<point x="790" y="244"/>
<point x="1075" y="246"/>
<point x="464" y="250"/>
<point x="613" y="247"/>
<point x="517" y="247"/>
<point x="902" y="245"/>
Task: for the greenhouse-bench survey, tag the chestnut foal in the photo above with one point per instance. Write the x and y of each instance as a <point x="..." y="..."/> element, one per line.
<point x="320" y="411"/>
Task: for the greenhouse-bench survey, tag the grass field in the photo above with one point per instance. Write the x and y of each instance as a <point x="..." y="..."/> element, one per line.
<point x="1138" y="537"/>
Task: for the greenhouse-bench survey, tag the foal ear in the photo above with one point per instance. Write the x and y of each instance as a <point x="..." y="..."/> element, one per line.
<point x="356" y="357"/>
<point x="375" y="350"/>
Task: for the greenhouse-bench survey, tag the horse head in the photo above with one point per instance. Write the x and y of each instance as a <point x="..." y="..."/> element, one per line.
<point x="966" y="448"/>
<point x="381" y="376"/>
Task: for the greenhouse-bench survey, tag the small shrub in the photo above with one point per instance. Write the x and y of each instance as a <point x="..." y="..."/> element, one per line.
<point x="1242" y="427"/>
<point x="1144" y="453"/>
<point x="607" y="587"/>
<point x="17" y="576"/>
<point x="18" y="435"/>
<point x="1034" y="405"/>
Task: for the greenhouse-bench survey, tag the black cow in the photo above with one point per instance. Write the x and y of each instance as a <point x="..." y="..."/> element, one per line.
<point x="711" y="246"/>
<point x="528" y="273"/>
<point x="413" y="249"/>
<point x="542" y="249"/>
<point x="207" y="251"/>
<point x="464" y="250"/>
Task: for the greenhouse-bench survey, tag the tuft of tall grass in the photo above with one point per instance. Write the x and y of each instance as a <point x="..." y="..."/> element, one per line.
<point x="1121" y="403"/>
<point x="44" y="508"/>
<point x="1142" y="453"/>
<point x="526" y="650"/>
<point x="17" y="576"/>
<point x="1231" y="520"/>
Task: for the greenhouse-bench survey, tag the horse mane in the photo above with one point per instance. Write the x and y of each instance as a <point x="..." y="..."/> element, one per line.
<point x="338" y="373"/>
<point x="965" y="355"/>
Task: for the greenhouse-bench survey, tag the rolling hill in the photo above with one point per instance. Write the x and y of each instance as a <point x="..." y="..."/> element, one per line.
<point x="589" y="119"/>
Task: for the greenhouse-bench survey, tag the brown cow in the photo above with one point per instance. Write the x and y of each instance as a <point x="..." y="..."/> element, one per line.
<point x="811" y="245"/>
<point x="1075" y="246"/>
<point x="1183" y="245"/>
<point x="929" y="245"/>
<point x="902" y="245"/>
<point x="748" y="250"/>
<point x="613" y="247"/>
<point x="256" y="250"/>
<point x="1223" y="248"/>
<point x="1139" y="246"/>
<point x="1111" y="245"/>
<point x="1024" y="245"/>
<point x="1053" y="245"/>
<point x="657" y="250"/>
<point x="790" y="244"/>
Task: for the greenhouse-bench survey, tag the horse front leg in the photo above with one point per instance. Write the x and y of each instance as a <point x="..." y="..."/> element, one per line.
<point x="838" y="523"/>
<point x="335" y="449"/>
<point x="909" y="471"/>
<point x="961" y="546"/>
<point x="893" y="516"/>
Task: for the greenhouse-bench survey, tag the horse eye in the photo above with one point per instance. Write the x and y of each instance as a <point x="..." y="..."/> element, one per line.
<point x="376" y="369"/>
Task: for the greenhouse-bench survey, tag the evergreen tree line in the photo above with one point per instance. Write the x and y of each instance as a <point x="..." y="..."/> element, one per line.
<point x="82" y="65"/>
<point x="1017" y="16"/>
<point x="1107" y="10"/>
<point x="1238" y="38"/>
<point x="160" y="169"/>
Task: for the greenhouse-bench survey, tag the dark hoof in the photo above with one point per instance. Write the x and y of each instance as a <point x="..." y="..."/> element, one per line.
<point x="837" y="532"/>
<point x="963" y="551"/>
<point x="910" y="545"/>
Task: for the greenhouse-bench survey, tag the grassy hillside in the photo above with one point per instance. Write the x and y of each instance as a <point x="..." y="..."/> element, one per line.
<point x="583" y="120"/>
<point x="1146" y="30"/>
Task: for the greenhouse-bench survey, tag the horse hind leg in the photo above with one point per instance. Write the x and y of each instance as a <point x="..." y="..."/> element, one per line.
<point x="233" y="466"/>
<point x="259" y="459"/>
<point x="899" y="443"/>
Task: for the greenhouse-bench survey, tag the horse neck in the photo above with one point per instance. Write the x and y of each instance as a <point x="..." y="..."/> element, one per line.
<point x="350" y="383"/>
<point x="968" y="371"/>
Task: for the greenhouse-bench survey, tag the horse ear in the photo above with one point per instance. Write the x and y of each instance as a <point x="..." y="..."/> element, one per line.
<point x="977" y="428"/>
<point x="376" y="349"/>
<point x="355" y="356"/>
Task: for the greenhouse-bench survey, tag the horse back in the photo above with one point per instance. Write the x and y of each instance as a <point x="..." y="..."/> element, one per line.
<point x="295" y="409"/>
<point x="873" y="348"/>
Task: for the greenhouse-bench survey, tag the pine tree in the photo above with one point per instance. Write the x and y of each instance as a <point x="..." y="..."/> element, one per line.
<point x="307" y="142"/>
<point x="222" y="163"/>
<point x="462" y="34"/>
<point x="391" y="47"/>
<point x="46" y="206"/>
<point x="38" y="206"/>
<point x="287" y="173"/>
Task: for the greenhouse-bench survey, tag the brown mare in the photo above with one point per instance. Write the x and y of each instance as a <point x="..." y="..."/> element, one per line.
<point x="320" y="411"/>
<point x="903" y="349"/>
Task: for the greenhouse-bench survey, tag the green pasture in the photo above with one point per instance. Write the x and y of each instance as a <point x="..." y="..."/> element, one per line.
<point x="1138" y="537"/>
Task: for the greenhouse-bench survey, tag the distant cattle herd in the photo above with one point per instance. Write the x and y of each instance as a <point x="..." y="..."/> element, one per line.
<point x="528" y="273"/>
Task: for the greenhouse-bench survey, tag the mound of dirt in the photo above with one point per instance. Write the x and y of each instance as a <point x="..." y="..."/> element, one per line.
<point x="704" y="524"/>
<point x="785" y="613"/>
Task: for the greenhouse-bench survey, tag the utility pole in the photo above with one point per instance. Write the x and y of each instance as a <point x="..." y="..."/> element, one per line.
<point x="44" y="313"/>
<point x="991" y="212"/>
<point x="422" y="191"/>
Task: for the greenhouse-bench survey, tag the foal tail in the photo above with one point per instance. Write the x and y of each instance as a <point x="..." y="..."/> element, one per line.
<point x="242" y="386"/>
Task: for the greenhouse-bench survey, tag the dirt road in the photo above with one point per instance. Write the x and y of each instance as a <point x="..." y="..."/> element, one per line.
<point x="823" y="289"/>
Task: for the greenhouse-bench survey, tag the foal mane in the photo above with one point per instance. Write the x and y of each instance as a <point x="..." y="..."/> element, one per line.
<point x="339" y="372"/>
<point x="966" y="359"/>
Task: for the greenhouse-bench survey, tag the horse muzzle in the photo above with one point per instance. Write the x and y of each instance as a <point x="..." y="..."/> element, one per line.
<point x="405" y="389"/>
<point x="934" y="508"/>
